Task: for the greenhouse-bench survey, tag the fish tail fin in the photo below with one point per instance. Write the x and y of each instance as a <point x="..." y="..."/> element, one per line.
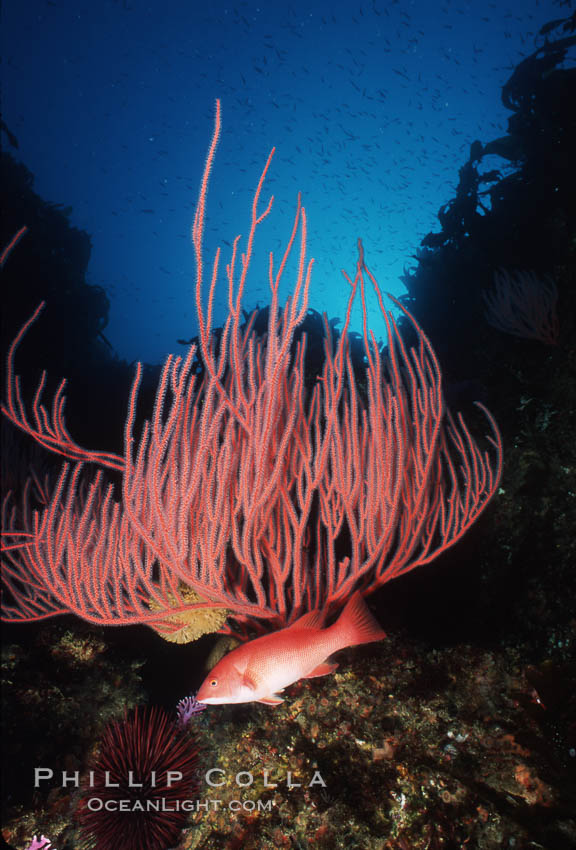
<point x="356" y="624"/>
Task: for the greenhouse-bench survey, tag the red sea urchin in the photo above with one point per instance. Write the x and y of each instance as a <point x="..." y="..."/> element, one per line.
<point x="133" y="798"/>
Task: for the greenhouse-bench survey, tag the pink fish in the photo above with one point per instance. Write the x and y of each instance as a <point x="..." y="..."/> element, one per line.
<point x="258" y="670"/>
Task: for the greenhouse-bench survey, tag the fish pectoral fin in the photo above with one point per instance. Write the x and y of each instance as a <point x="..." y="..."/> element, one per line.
<point x="248" y="681"/>
<point x="322" y="670"/>
<point x="273" y="700"/>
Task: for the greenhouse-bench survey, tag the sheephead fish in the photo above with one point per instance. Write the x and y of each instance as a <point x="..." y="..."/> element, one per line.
<point x="259" y="670"/>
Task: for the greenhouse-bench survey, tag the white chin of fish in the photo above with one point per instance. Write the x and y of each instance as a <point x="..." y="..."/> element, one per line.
<point x="221" y="701"/>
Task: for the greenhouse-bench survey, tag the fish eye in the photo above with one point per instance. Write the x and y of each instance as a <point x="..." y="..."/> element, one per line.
<point x="213" y="683"/>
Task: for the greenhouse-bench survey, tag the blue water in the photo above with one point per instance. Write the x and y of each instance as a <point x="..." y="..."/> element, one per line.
<point x="372" y="107"/>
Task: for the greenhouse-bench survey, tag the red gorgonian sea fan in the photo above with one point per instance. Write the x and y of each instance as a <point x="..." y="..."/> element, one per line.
<point x="264" y="496"/>
<point x="523" y="304"/>
<point x="141" y="784"/>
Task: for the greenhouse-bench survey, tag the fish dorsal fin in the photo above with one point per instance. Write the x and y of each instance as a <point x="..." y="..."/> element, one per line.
<point x="311" y="620"/>
<point x="272" y="700"/>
